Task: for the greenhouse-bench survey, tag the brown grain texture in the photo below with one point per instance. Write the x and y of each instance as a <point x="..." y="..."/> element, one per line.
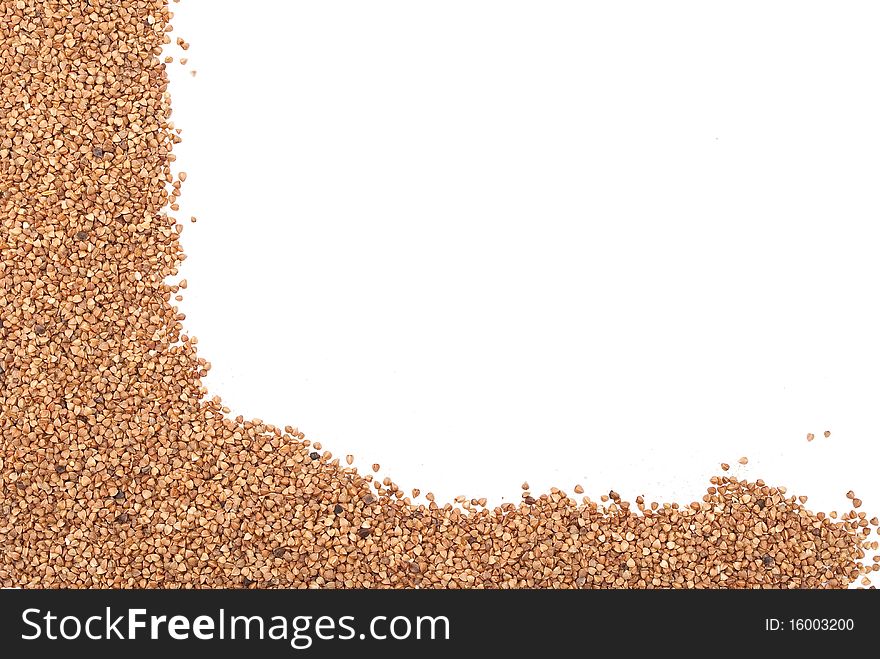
<point x="118" y="470"/>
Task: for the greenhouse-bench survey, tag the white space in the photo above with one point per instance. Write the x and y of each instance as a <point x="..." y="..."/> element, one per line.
<point x="482" y="242"/>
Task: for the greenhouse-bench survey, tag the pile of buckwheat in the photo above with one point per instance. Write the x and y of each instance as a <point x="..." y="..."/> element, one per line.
<point x="116" y="468"/>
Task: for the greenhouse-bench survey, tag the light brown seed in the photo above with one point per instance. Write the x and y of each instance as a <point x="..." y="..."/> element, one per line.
<point x="744" y="460"/>
<point x="115" y="452"/>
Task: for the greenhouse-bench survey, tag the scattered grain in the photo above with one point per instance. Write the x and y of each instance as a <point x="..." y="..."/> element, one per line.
<point x="119" y="471"/>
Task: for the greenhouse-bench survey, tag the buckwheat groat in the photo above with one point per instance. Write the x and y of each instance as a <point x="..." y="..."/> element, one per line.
<point x="117" y="469"/>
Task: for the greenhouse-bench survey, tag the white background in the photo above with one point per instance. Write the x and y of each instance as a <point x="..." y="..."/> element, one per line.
<point x="482" y="242"/>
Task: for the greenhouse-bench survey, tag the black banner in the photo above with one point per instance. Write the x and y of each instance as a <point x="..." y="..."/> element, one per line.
<point x="313" y="623"/>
